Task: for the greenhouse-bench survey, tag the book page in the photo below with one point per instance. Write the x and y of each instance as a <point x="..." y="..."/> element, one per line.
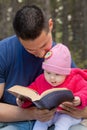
<point x="51" y="90"/>
<point x="24" y="91"/>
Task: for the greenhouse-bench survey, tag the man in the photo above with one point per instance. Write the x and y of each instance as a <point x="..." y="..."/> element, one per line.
<point x="21" y="57"/>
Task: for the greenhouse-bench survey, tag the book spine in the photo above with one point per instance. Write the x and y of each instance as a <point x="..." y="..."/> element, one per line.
<point x="37" y="105"/>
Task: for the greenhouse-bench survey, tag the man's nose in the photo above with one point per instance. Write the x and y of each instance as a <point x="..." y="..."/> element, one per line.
<point x="42" y="52"/>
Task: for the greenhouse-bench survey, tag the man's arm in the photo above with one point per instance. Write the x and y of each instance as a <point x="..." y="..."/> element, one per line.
<point x="11" y="113"/>
<point x="68" y="108"/>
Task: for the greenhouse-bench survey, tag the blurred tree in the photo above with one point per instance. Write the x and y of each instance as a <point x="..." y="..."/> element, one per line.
<point x="70" y="23"/>
<point x="8" y="10"/>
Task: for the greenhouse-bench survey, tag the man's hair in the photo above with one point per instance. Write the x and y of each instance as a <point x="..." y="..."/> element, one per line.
<point x="29" y="22"/>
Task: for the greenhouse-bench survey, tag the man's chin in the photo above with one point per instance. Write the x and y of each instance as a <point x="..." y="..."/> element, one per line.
<point x="39" y="56"/>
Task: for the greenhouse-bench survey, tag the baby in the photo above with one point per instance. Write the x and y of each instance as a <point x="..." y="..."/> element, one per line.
<point x="58" y="73"/>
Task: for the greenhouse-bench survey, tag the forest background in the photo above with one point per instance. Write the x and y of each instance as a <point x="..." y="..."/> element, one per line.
<point x="70" y="23"/>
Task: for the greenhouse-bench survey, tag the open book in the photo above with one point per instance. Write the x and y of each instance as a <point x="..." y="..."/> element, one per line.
<point x="48" y="99"/>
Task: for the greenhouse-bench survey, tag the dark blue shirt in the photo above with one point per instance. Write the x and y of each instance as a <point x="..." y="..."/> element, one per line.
<point x="17" y="66"/>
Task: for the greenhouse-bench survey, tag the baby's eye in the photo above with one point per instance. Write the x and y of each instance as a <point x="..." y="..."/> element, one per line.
<point x="48" y="72"/>
<point x="57" y="74"/>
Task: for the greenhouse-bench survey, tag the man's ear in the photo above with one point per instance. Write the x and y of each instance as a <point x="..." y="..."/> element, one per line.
<point x="50" y="22"/>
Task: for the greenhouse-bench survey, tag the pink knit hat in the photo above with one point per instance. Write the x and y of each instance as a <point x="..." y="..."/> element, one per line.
<point x="58" y="60"/>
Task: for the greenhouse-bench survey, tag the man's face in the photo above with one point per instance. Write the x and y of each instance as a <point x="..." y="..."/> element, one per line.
<point x="39" y="46"/>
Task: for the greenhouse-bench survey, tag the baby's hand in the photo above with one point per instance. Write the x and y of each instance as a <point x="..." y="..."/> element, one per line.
<point x="20" y="100"/>
<point x="76" y="101"/>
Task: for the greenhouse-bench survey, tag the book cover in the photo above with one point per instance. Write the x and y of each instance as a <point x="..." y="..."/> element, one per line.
<point x="48" y="99"/>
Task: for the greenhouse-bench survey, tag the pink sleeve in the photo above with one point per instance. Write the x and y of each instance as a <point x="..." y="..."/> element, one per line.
<point x="82" y="92"/>
<point x="27" y="104"/>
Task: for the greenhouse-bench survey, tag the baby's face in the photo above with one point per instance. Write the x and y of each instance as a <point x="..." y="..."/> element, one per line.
<point x="53" y="78"/>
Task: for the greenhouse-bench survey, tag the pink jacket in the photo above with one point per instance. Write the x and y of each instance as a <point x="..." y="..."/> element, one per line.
<point x="76" y="82"/>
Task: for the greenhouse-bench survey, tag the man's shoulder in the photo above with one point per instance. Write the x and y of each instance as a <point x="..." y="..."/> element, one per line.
<point x="9" y="49"/>
<point x="9" y="39"/>
<point x="53" y="43"/>
<point x="9" y="44"/>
